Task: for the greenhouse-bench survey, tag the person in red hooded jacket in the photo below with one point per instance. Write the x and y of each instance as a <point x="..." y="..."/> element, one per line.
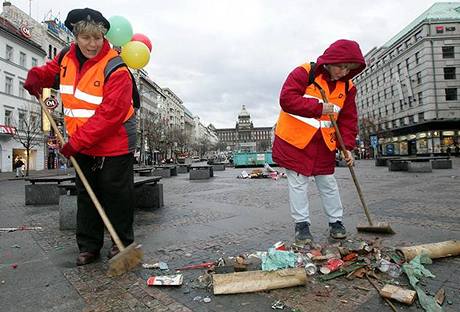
<point x="305" y="140"/>
<point x="101" y="124"/>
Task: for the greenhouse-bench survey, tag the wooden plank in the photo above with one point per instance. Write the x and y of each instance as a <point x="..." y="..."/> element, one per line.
<point x="252" y="281"/>
<point x="400" y="294"/>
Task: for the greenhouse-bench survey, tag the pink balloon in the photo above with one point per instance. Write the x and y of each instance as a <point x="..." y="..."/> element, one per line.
<point x="144" y="39"/>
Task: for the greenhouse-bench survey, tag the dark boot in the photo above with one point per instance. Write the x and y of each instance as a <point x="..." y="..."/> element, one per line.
<point x="302" y="233"/>
<point x="337" y="230"/>
<point x="87" y="257"/>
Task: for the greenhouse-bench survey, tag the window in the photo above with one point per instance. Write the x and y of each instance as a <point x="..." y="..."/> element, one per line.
<point x="9" y="53"/>
<point x="22" y="59"/>
<point x="418" y="35"/>
<point x="419" y="77"/>
<point x="449" y="73"/>
<point x="451" y="94"/>
<point x="34" y="121"/>
<point x="8" y="115"/>
<point x="22" y="92"/>
<point x="421" y="117"/>
<point x="448" y="52"/>
<point x="50" y="51"/>
<point x="22" y="120"/>
<point x="420" y="98"/>
<point x="417" y="57"/>
<point x="34" y="62"/>
<point x="8" y="85"/>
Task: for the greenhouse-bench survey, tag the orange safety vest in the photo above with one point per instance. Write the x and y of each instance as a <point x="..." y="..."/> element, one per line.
<point x="81" y="99"/>
<point x="298" y="130"/>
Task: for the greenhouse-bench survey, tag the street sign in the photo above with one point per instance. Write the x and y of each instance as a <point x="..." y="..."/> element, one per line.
<point x="374" y="141"/>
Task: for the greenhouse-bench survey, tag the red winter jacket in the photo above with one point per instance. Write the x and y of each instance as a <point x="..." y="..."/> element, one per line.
<point x="316" y="158"/>
<point x="104" y="134"/>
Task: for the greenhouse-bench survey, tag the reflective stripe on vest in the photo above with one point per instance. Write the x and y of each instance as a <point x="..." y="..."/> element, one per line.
<point x="298" y="130"/>
<point x="81" y="99"/>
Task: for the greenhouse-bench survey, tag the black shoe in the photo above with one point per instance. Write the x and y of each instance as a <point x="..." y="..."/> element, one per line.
<point x="302" y="233"/>
<point x="337" y="230"/>
<point x="87" y="257"/>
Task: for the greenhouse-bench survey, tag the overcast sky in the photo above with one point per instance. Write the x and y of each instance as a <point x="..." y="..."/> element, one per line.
<point x="217" y="55"/>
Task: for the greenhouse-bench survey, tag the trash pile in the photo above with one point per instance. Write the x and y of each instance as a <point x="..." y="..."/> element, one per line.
<point x="284" y="266"/>
<point x="267" y="173"/>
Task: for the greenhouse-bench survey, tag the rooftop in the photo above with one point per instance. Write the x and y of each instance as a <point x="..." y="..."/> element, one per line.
<point x="439" y="11"/>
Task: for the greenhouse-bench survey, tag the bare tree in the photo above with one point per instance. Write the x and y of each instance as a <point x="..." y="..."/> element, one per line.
<point x="153" y="128"/>
<point x="28" y="129"/>
<point x="178" y="139"/>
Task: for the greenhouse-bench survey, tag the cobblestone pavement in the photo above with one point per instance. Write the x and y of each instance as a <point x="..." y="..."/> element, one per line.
<point x="224" y="216"/>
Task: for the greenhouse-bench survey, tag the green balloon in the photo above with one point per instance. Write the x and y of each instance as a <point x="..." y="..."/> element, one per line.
<point x="120" y="31"/>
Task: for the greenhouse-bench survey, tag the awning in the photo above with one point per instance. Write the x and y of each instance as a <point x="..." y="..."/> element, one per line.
<point x="7" y="130"/>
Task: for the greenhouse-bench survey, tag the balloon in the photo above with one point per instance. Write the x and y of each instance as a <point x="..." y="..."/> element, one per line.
<point x="135" y="54"/>
<point x="120" y="31"/>
<point x="144" y="39"/>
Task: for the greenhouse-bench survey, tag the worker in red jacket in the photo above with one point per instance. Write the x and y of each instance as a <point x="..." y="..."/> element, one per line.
<point x="305" y="140"/>
<point x="101" y="125"/>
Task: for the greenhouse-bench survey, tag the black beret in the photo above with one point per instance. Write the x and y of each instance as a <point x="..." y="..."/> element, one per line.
<point x="77" y="15"/>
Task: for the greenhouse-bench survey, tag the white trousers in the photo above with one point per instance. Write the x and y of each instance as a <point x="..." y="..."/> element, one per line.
<point x="298" y="196"/>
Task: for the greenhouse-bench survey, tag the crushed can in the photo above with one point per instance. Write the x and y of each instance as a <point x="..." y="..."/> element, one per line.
<point x="332" y="265"/>
<point x="307" y="264"/>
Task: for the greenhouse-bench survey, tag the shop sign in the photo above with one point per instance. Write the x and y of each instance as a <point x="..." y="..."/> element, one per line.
<point x="25" y="31"/>
<point x="421" y="135"/>
<point x="51" y="102"/>
<point x="412" y="136"/>
<point x="402" y="138"/>
<point x="7" y="130"/>
<point x="448" y="133"/>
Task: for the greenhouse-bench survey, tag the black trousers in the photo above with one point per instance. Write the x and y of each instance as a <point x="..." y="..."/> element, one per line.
<point x="112" y="180"/>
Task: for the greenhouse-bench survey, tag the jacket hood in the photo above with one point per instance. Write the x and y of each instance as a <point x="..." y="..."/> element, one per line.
<point x="342" y="51"/>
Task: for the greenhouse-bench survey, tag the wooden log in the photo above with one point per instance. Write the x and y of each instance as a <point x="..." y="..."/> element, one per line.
<point x="434" y="251"/>
<point x="402" y="295"/>
<point x="252" y="281"/>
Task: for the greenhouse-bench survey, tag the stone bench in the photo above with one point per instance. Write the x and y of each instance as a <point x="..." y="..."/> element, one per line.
<point x="172" y="169"/>
<point x="218" y="167"/>
<point x="201" y="172"/>
<point x="441" y="164"/>
<point x="397" y="165"/>
<point x="144" y="172"/>
<point x="148" y="195"/>
<point x="163" y="172"/>
<point x="419" y="166"/>
<point x="183" y="168"/>
<point x="45" y="190"/>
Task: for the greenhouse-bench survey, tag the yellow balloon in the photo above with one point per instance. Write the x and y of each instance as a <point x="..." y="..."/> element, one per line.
<point x="135" y="54"/>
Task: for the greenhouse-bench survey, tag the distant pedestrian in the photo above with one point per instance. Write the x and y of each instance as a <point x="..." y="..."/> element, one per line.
<point x="19" y="166"/>
<point x="101" y="123"/>
<point x="305" y="139"/>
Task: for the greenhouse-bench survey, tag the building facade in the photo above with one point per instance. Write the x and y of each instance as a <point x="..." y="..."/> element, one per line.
<point x="408" y="99"/>
<point x="245" y="137"/>
<point x="17" y="53"/>
<point x="25" y="43"/>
